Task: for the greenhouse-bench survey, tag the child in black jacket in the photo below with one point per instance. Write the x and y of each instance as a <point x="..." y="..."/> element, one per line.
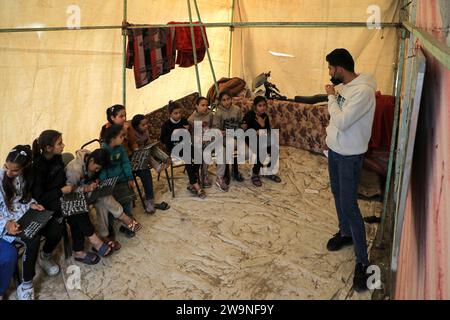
<point x="176" y="121"/>
<point x="48" y="186"/>
<point x="257" y="119"/>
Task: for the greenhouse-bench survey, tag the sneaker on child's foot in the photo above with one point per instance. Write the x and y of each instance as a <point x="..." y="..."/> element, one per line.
<point x="221" y="184"/>
<point x="360" y="278"/>
<point x="25" y="293"/>
<point x="50" y="267"/>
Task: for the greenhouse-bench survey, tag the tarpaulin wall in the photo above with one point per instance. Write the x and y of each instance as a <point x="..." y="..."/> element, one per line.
<point x="424" y="262"/>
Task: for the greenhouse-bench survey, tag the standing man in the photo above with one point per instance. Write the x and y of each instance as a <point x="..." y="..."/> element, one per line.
<point x="348" y="134"/>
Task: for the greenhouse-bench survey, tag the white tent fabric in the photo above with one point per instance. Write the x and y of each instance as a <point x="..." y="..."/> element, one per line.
<point x="65" y="80"/>
<point x="306" y="72"/>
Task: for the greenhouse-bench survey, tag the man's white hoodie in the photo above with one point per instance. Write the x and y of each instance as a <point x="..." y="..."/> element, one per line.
<point x="351" y="116"/>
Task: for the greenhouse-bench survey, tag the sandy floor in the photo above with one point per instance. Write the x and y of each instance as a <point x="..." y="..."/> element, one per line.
<point x="267" y="243"/>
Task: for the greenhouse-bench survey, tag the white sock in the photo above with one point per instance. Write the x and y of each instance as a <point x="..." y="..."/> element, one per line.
<point x="27" y="285"/>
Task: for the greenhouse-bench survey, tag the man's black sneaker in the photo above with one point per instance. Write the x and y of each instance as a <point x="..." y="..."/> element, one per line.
<point x="337" y="242"/>
<point x="360" y="278"/>
<point x="128" y="233"/>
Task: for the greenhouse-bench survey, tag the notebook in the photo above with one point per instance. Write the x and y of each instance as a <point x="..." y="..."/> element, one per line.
<point x="140" y="158"/>
<point x="32" y="222"/>
<point x="105" y="188"/>
<point x="74" y="203"/>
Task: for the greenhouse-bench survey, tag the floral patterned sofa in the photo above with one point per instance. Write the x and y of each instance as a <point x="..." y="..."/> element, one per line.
<point x="301" y="125"/>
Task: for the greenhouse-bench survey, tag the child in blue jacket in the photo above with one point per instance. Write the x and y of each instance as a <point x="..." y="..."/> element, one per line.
<point x="119" y="166"/>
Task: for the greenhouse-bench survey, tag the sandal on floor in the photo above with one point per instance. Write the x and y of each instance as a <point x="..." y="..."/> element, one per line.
<point x="274" y="178"/>
<point x="115" y="244"/>
<point x="91" y="258"/>
<point x="238" y="177"/>
<point x="127" y="232"/>
<point x="105" y="249"/>
<point x="134" y="226"/>
<point x="256" y="181"/>
<point x="162" y="206"/>
<point x="201" y="194"/>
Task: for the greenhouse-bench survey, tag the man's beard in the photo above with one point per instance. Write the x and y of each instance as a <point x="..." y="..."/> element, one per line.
<point x="335" y="80"/>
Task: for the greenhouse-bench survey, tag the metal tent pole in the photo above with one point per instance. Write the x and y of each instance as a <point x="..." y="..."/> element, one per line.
<point x="231" y="40"/>
<point x="398" y="90"/>
<point x="216" y="25"/>
<point x="124" y="60"/>
<point x="194" y="48"/>
<point x="207" y="49"/>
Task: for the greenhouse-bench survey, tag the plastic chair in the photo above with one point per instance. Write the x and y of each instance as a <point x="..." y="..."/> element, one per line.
<point x="67" y="157"/>
<point x="176" y="162"/>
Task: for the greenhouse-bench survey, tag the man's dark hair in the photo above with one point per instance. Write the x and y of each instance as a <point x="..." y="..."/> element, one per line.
<point x="341" y="58"/>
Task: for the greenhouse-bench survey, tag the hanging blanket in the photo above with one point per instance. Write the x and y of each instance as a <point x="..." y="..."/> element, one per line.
<point x="185" y="55"/>
<point x="151" y="52"/>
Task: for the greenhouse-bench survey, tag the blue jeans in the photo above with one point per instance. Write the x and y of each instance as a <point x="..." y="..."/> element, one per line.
<point x="8" y="261"/>
<point x="345" y="172"/>
<point x="147" y="183"/>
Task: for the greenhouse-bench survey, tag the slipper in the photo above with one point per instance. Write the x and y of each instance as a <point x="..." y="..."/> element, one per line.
<point x="162" y="206"/>
<point x="238" y="177"/>
<point x="115" y="244"/>
<point x="103" y="251"/>
<point x="91" y="258"/>
<point x="127" y="232"/>
<point x="134" y="226"/>
<point x="256" y="181"/>
<point x="273" y="177"/>
<point x="201" y="194"/>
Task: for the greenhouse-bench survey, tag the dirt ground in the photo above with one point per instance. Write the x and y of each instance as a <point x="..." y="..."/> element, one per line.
<point x="249" y="243"/>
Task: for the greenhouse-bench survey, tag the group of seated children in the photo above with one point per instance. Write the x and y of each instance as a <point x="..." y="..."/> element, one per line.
<point x="36" y="178"/>
<point x="227" y="116"/>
